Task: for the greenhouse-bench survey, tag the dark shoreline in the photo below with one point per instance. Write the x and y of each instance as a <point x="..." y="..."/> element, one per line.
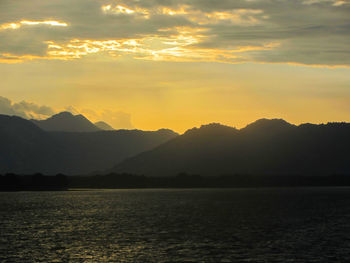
<point x="39" y="182"/>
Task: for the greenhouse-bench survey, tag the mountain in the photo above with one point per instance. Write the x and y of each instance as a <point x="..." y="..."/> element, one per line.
<point x="25" y="148"/>
<point x="103" y="126"/>
<point x="267" y="147"/>
<point x="97" y="151"/>
<point x="66" y="121"/>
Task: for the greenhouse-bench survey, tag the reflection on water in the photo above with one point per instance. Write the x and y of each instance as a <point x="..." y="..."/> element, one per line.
<point x="232" y="225"/>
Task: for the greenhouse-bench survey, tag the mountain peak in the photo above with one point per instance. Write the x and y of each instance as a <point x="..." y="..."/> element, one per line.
<point x="63" y="114"/>
<point x="67" y="122"/>
<point x="215" y="125"/>
<point x="167" y="131"/>
<point x="268" y="124"/>
<point x="104" y="126"/>
<point x="212" y="129"/>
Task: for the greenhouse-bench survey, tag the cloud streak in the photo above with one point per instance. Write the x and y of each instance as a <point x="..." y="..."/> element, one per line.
<point x="17" y="25"/>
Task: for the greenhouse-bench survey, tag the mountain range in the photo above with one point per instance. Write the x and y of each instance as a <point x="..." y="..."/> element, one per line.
<point x="266" y="147"/>
<point x="71" y="144"/>
<point x="28" y="146"/>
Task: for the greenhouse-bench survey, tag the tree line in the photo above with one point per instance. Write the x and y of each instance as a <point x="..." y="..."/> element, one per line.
<point x="40" y="182"/>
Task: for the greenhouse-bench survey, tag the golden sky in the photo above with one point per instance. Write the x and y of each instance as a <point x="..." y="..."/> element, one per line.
<point x="151" y="64"/>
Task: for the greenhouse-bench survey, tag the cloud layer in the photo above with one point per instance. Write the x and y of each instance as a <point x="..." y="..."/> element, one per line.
<point x="308" y="32"/>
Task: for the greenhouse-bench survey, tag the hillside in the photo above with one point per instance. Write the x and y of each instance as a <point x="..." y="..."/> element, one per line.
<point x="25" y="148"/>
<point x="270" y="147"/>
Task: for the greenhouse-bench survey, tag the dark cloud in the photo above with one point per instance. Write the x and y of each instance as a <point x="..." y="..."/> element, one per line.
<point x="308" y="31"/>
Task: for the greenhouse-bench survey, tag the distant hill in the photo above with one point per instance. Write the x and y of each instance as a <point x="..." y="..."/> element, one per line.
<point x="25" y="148"/>
<point x="66" y="121"/>
<point x="269" y="147"/>
<point x="103" y="126"/>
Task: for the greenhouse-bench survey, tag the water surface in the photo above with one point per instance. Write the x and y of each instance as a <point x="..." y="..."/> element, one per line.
<point x="201" y="225"/>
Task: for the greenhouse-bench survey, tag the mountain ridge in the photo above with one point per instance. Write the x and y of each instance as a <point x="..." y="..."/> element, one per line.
<point x="263" y="147"/>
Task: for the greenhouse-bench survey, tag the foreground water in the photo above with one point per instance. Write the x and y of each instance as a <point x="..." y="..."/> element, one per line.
<point x="204" y="225"/>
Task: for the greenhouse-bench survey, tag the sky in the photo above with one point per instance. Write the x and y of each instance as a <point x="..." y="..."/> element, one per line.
<point x="151" y="64"/>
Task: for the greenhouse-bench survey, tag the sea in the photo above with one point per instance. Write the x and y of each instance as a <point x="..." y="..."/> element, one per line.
<point x="176" y="225"/>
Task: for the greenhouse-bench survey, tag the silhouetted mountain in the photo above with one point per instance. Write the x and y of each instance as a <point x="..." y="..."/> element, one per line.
<point x="66" y="121"/>
<point x="27" y="149"/>
<point x="267" y="147"/>
<point x="96" y="151"/>
<point x="266" y="125"/>
<point x="103" y="126"/>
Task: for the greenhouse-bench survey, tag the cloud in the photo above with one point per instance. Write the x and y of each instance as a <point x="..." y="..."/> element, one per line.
<point x="234" y="16"/>
<point x="332" y="2"/>
<point x="16" y="25"/>
<point x="308" y="32"/>
<point x="24" y="109"/>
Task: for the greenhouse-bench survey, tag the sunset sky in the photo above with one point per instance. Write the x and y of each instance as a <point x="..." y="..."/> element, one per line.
<point x="151" y="64"/>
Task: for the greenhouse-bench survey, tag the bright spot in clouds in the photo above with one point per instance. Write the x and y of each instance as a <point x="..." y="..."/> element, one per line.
<point x="19" y="24"/>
